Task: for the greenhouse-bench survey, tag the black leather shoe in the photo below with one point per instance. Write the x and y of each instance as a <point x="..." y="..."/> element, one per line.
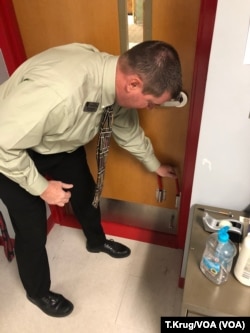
<point x="53" y="304"/>
<point x="114" y="249"/>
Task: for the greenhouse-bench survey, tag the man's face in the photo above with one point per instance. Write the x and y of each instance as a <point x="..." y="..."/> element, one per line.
<point x="147" y="101"/>
<point x="134" y="98"/>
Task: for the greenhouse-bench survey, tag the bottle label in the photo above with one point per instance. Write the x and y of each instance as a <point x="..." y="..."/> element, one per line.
<point x="212" y="266"/>
<point x="246" y="272"/>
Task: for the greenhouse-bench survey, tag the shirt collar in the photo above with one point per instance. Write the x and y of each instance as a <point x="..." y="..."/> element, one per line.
<point x="108" y="83"/>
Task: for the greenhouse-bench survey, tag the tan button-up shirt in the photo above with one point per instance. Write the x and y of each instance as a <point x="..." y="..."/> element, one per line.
<point x="43" y="106"/>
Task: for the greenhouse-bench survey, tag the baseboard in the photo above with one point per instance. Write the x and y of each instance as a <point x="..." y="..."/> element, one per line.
<point x="181" y="282"/>
<point x="127" y="231"/>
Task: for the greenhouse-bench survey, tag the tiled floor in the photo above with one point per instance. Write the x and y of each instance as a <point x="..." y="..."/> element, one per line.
<point x="109" y="295"/>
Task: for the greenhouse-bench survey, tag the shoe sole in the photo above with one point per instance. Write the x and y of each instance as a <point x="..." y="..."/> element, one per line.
<point x="113" y="256"/>
<point x="56" y="315"/>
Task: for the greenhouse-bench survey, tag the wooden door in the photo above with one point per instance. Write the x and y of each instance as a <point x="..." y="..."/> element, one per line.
<point x="47" y="23"/>
<point x="175" y="22"/>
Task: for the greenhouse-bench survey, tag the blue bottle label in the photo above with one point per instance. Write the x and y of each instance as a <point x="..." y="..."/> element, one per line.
<point x="212" y="266"/>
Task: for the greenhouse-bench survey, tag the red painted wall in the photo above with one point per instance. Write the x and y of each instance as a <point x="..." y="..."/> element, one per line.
<point x="10" y="39"/>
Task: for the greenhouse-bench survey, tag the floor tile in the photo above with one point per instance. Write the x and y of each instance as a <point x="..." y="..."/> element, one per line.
<point x="126" y="295"/>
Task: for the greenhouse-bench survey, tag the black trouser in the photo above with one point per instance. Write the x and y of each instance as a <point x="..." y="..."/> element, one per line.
<point x="28" y="215"/>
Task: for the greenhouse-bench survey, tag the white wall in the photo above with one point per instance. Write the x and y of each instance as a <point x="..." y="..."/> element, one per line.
<point x="3" y="69"/>
<point x="222" y="171"/>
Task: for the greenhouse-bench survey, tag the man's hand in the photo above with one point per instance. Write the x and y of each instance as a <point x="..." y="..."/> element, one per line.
<point x="166" y="171"/>
<point x="56" y="193"/>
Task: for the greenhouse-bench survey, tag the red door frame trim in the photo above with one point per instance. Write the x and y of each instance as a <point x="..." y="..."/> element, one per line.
<point x="203" y="47"/>
<point x="10" y="38"/>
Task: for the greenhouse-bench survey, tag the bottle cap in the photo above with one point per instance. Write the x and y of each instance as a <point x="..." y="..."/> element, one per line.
<point x="223" y="235"/>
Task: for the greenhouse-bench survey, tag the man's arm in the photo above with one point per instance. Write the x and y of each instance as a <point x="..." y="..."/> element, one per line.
<point x="130" y="136"/>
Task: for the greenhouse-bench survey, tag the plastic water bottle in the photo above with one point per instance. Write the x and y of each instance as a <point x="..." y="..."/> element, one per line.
<point x="242" y="267"/>
<point x="217" y="258"/>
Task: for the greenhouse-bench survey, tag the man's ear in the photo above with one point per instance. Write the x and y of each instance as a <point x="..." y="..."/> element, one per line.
<point x="134" y="83"/>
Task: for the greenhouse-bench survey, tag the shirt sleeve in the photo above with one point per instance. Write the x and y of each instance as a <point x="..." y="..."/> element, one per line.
<point x="23" y="115"/>
<point x="129" y="135"/>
